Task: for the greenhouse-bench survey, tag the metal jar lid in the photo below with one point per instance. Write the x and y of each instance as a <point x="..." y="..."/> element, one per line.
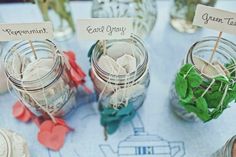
<point x="12" y="145"/>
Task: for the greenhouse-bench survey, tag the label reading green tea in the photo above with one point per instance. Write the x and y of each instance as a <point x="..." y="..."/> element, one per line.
<point x="212" y="18"/>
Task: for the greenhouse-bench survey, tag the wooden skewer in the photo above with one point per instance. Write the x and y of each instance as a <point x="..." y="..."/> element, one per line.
<point x="32" y="47"/>
<point x="215" y="47"/>
<point x="213" y="52"/>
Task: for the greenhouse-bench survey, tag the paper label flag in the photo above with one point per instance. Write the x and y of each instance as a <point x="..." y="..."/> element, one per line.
<point x="212" y="18"/>
<point x="26" y="31"/>
<point x="105" y="28"/>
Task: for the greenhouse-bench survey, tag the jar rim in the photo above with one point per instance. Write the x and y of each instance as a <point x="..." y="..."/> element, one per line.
<point x="140" y="69"/>
<point x="23" y="42"/>
<point x="189" y="56"/>
<point x="207" y="39"/>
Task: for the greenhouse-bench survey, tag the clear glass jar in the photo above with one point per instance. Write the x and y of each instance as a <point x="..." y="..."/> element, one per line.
<point x="117" y="93"/>
<point x="144" y="13"/>
<point x="42" y="79"/>
<point x="228" y="150"/>
<point x="3" y="79"/>
<point x="182" y="14"/>
<point x="59" y="13"/>
<point x="225" y="55"/>
<point x="12" y="144"/>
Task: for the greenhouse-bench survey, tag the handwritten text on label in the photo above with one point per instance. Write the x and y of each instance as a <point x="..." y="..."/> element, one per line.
<point x="217" y="19"/>
<point x="26" y="31"/>
<point x="99" y="29"/>
<point x="109" y="29"/>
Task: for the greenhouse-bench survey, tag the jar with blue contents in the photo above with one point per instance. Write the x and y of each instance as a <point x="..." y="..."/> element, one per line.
<point x="121" y="77"/>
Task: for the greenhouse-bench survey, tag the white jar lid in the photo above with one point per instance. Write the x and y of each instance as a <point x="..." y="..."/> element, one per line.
<point x="12" y="145"/>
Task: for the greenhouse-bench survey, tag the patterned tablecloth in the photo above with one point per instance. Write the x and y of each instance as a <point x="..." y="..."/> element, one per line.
<point x="156" y="128"/>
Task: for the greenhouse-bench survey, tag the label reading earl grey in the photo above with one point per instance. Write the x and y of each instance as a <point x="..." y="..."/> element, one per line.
<point x="26" y="31"/>
<point x="105" y="28"/>
<point x="209" y="17"/>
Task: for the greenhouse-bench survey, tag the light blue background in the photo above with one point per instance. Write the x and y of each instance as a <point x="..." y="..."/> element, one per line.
<point x="167" y="48"/>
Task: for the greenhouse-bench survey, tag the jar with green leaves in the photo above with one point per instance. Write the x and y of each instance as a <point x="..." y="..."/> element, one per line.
<point x="182" y="14"/>
<point x="120" y="75"/>
<point x="58" y="12"/>
<point x="143" y="12"/>
<point x="205" y="84"/>
<point x="228" y="150"/>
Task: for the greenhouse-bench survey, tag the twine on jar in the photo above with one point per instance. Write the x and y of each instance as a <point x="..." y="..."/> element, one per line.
<point x="123" y="100"/>
<point x="24" y="90"/>
<point x="31" y="97"/>
<point x="133" y="82"/>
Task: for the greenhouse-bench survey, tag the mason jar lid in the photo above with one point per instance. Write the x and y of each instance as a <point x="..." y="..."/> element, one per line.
<point x="12" y="145"/>
<point x="5" y="145"/>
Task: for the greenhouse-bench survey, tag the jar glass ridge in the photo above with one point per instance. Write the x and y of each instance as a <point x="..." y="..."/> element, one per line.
<point x="52" y="88"/>
<point x="101" y="77"/>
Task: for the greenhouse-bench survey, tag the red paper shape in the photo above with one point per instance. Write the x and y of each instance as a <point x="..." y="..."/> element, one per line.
<point x="54" y="139"/>
<point x="52" y="135"/>
<point x="63" y="123"/>
<point x="47" y="126"/>
<point x="71" y="55"/>
<point x="21" y="113"/>
<point x="76" y="72"/>
<point x="18" y="109"/>
<point x="26" y="117"/>
<point x="37" y="120"/>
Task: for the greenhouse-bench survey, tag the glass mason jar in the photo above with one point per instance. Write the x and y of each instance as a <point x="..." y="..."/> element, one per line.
<point x="120" y="95"/>
<point x="182" y="14"/>
<point x="12" y="144"/>
<point x="41" y="78"/>
<point x="59" y="13"/>
<point x="144" y="13"/>
<point x="215" y="94"/>
<point x="3" y="79"/>
<point x="228" y="150"/>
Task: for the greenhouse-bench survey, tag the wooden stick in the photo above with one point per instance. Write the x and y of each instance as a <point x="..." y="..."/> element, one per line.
<point x="32" y="47"/>
<point x="216" y="46"/>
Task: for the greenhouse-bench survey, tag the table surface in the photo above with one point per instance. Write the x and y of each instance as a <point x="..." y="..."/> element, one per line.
<point x="167" y="48"/>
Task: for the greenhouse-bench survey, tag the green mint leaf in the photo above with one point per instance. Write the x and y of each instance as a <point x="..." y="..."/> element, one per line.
<point x="198" y="92"/>
<point x="232" y="95"/>
<point x="189" y="96"/>
<point x="194" y="79"/>
<point x="213" y="99"/>
<point x="202" y="104"/>
<point x="181" y="86"/>
<point x="216" y="87"/>
<point x="216" y="113"/>
<point x="185" y="69"/>
<point x="204" y="116"/>
<point x="222" y="79"/>
<point x="228" y="99"/>
<point x="191" y="108"/>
